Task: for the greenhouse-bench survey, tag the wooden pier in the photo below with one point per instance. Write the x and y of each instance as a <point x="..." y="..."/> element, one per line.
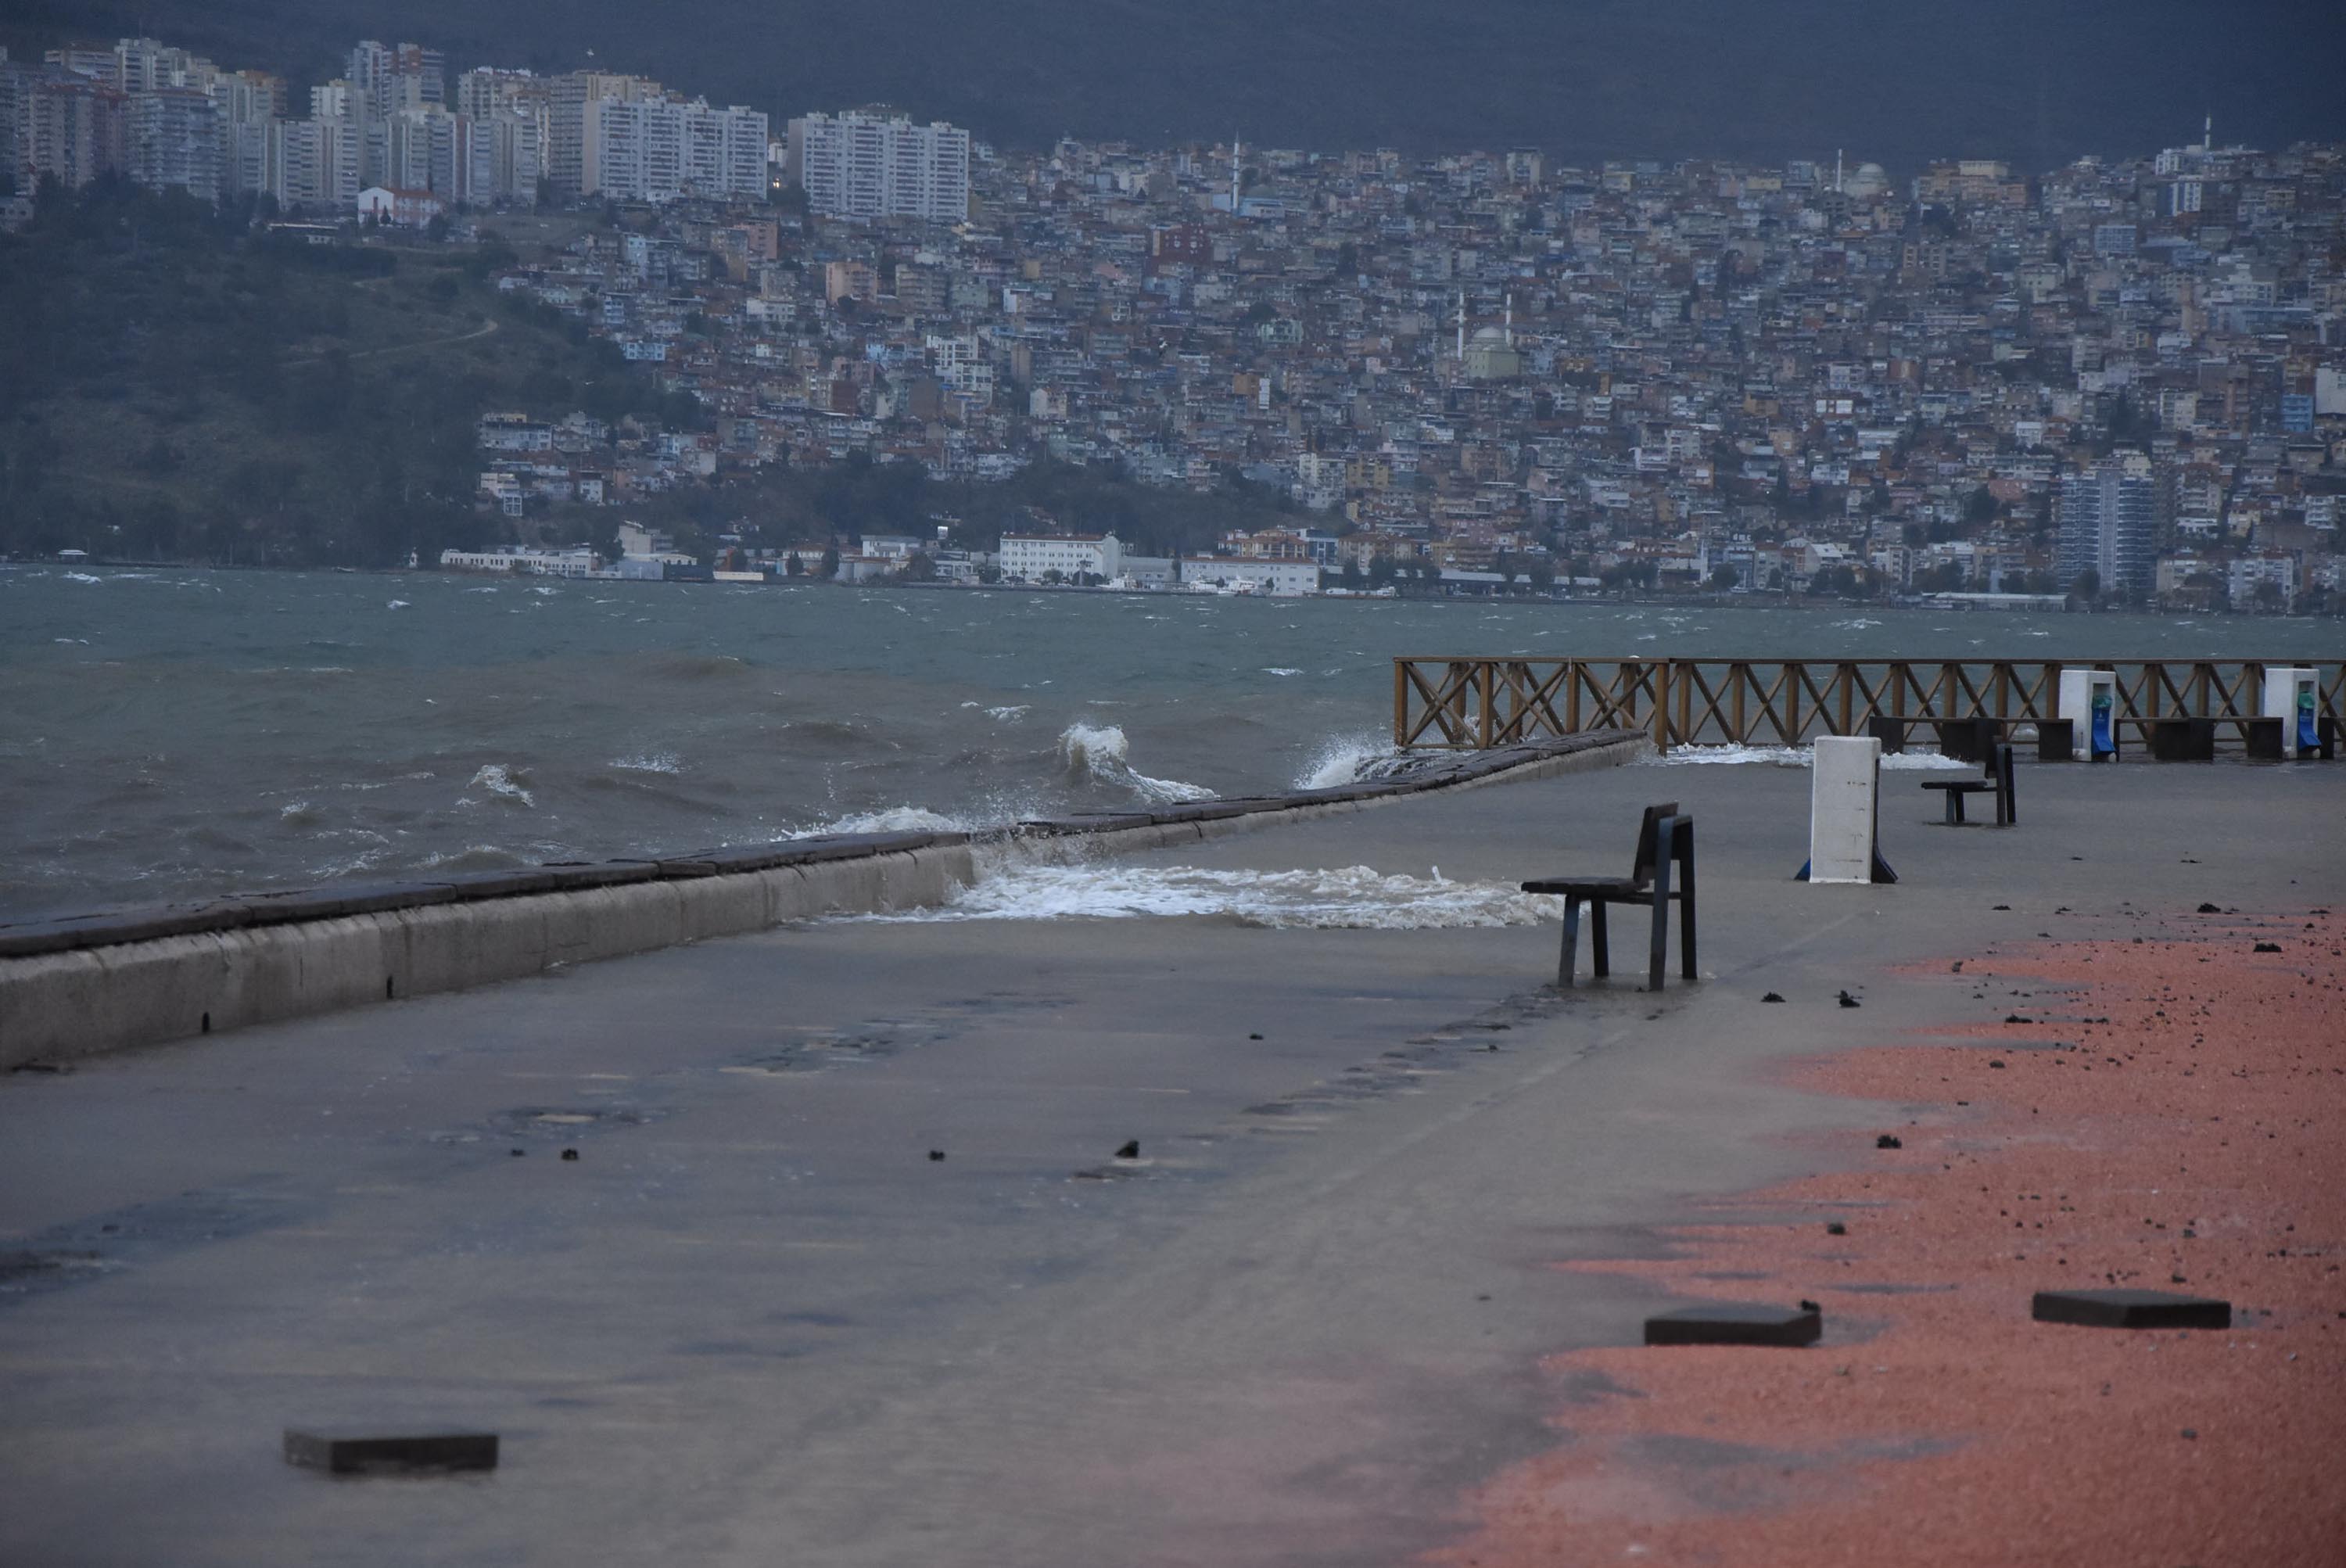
<point x="1471" y="703"/>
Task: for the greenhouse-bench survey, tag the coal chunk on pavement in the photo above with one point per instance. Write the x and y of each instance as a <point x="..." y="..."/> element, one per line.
<point x="2267" y="947"/>
<point x="2124" y="1308"/>
<point x="570" y="1154"/>
<point x="2209" y="909"/>
<point x="355" y="1453"/>
<point x="1131" y="1151"/>
<point x="1835" y="1227"/>
<point x="936" y="1154"/>
<point x="1736" y="1323"/>
<point x="1772" y="996"/>
<point x="1889" y="1141"/>
<point x="1849" y="1001"/>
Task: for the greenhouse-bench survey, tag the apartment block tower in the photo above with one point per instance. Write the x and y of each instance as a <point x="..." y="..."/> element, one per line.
<point x="2109" y="517"/>
<point x="867" y="164"/>
<point x="659" y="149"/>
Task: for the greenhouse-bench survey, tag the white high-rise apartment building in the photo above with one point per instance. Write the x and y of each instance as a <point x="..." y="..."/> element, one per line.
<point x="568" y="98"/>
<point x="174" y="141"/>
<point x="864" y="164"/>
<point x="658" y="149"/>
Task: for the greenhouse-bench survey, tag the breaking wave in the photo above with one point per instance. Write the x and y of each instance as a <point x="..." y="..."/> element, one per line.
<point x="1349" y="760"/>
<point x="504" y="783"/>
<point x="889" y="819"/>
<point x="1354" y="898"/>
<point x="1792" y="757"/>
<point x="650" y="762"/>
<point x="1099" y="754"/>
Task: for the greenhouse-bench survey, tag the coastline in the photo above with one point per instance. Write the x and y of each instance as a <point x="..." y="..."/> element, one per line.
<point x="79" y="986"/>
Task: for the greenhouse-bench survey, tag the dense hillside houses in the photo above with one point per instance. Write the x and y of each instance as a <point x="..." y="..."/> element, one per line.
<point x="2123" y="380"/>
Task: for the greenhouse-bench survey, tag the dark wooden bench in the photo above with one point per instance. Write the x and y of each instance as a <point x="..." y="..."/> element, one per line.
<point x="1665" y="846"/>
<point x="1998" y="782"/>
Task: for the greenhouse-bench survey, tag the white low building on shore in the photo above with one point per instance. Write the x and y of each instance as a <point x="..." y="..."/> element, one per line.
<point x="1030" y="557"/>
<point x="577" y="562"/>
<point x="1280" y="579"/>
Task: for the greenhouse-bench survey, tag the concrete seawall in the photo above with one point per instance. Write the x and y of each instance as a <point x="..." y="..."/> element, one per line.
<point x="77" y="987"/>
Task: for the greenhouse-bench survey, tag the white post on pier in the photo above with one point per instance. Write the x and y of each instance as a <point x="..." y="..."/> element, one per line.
<point x="2293" y="696"/>
<point x="1844" y="800"/>
<point x="2089" y="702"/>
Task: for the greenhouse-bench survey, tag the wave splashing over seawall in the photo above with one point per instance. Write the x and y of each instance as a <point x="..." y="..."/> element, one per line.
<point x="1099" y="754"/>
<point x="1354" y="898"/>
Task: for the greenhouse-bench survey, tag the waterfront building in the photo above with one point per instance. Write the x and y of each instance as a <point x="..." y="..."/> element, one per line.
<point x="2109" y="527"/>
<point x="1028" y="557"/>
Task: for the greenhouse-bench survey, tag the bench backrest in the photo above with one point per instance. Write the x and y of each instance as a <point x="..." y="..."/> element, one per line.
<point x="1649" y="849"/>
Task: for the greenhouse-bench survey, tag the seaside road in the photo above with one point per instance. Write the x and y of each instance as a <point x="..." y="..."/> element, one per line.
<point x="755" y="1323"/>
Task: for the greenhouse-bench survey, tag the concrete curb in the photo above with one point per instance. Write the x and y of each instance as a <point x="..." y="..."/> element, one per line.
<point x="83" y="986"/>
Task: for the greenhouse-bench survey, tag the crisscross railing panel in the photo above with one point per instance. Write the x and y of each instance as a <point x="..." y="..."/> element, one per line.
<point x="1467" y="704"/>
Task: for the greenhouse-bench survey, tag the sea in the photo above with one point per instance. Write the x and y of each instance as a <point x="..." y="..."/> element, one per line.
<point x="167" y="734"/>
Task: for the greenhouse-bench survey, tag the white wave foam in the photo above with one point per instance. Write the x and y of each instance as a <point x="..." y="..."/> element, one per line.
<point x="1792" y="757"/>
<point x="650" y="762"/>
<point x="504" y="783"/>
<point x="1279" y="670"/>
<point x="1100" y="753"/>
<point x="396" y="604"/>
<point x="888" y="819"/>
<point x="1007" y="714"/>
<point x="82" y="578"/>
<point x="1354" y="898"/>
<point x="1347" y="759"/>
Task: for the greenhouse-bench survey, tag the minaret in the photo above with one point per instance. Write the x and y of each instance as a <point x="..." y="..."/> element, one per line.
<point x="1836" y="168"/>
<point x="1511" y="320"/>
<point x="1462" y="326"/>
<point x="2208" y="136"/>
<point x="1237" y="160"/>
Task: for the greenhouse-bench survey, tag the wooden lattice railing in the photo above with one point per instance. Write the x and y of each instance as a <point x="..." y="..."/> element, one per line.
<point x="1470" y="704"/>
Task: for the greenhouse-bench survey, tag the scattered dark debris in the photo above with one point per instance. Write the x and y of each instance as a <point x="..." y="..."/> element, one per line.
<point x="51" y="1069"/>
<point x="1254" y="1037"/>
<point x="1999" y="906"/>
<point x="1996" y="1062"/>
<point x="516" y="1154"/>
<point x="1889" y="1141"/>
<point x="1772" y="996"/>
<point x="2267" y="947"/>
<point x="1849" y="1001"/>
<point x="936" y="1154"/>
<point x="2209" y="909"/>
<point x="1835" y="1227"/>
<point x="1131" y="1150"/>
<point x="570" y="1154"/>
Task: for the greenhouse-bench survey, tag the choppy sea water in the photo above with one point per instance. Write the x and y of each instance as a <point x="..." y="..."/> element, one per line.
<point x="172" y="734"/>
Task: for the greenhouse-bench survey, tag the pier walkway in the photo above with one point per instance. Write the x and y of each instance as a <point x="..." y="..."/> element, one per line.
<point x="755" y="1322"/>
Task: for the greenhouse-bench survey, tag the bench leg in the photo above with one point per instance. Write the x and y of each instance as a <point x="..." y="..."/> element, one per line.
<point x="1658" y="956"/>
<point x="1686" y="901"/>
<point x="1600" y="946"/>
<point x="1571" y="942"/>
<point x="1952" y="812"/>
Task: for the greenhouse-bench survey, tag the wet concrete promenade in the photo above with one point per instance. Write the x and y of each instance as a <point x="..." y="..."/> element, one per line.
<point x="755" y="1322"/>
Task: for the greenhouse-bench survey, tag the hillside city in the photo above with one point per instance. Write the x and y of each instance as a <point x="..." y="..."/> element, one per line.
<point x="2121" y="381"/>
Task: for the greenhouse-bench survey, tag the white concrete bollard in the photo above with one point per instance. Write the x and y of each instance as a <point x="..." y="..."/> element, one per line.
<point x="1844" y="799"/>
<point x="2089" y="700"/>
<point x="2292" y="696"/>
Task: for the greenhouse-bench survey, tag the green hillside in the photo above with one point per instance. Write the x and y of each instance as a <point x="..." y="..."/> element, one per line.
<point x="176" y="383"/>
